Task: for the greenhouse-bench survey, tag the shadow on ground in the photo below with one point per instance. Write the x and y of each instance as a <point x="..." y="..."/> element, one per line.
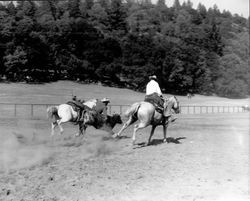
<point x="155" y="142"/>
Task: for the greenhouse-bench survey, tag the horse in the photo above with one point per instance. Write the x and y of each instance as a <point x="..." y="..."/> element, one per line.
<point x="66" y="113"/>
<point x="61" y="114"/>
<point x="147" y="115"/>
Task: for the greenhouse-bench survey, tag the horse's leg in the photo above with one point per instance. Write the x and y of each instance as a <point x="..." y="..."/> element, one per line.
<point x="53" y="125"/>
<point x="82" y="129"/>
<point x="128" y="123"/>
<point x="136" y="128"/>
<point x="151" y="134"/>
<point x="165" y="125"/>
<point x="59" y="125"/>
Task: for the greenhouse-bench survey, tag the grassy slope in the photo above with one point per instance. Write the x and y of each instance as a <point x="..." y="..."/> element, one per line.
<point x="60" y="92"/>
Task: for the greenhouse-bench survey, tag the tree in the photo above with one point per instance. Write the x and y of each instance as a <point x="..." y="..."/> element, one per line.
<point x="11" y="10"/>
<point x="213" y="40"/>
<point x="15" y="63"/>
<point x="202" y="10"/>
<point x="232" y="81"/>
<point x="74" y="9"/>
<point x="161" y="3"/>
<point x="183" y="23"/>
<point x="99" y="18"/>
<point x="117" y="19"/>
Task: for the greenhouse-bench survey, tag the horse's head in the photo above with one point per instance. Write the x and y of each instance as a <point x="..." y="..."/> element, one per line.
<point x="173" y="103"/>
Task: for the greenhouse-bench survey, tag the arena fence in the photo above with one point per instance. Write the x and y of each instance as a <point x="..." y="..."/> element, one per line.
<point x="38" y="111"/>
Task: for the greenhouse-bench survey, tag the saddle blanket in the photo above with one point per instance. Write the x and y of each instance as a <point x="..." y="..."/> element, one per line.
<point x="78" y="105"/>
<point x="155" y="100"/>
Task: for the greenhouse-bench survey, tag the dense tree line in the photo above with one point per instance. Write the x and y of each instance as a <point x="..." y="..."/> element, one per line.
<point x="120" y="43"/>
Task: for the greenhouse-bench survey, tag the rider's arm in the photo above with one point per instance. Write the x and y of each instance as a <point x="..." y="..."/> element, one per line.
<point x="158" y="89"/>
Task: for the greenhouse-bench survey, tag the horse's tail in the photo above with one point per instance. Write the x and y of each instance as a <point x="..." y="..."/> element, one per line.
<point x="52" y="113"/>
<point x="132" y="110"/>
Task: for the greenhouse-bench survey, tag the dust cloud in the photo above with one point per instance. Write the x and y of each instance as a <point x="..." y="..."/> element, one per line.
<point x="16" y="155"/>
<point x="99" y="146"/>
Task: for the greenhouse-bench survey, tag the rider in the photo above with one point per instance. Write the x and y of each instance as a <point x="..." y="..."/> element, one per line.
<point x="153" y="90"/>
<point x="79" y="107"/>
<point x="101" y="107"/>
<point x="99" y="111"/>
<point x="153" y="86"/>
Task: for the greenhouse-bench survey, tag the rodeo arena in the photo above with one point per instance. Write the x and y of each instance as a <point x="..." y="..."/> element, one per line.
<point x="123" y="101"/>
<point x="101" y="150"/>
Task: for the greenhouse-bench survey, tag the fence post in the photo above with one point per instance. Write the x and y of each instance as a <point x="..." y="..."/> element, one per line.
<point x="15" y="110"/>
<point x="32" y="110"/>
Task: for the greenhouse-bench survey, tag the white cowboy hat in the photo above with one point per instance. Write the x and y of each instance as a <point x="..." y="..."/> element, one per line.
<point x="152" y="77"/>
<point x="105" y="100"/>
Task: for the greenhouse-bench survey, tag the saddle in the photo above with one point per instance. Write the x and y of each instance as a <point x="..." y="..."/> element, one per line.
<point x="76" y="105"/>
<point x="156" y="101"/>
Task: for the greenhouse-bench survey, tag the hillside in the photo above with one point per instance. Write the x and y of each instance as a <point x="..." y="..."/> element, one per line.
<point x="61" y="92"/>
<point x="120" y="43"/>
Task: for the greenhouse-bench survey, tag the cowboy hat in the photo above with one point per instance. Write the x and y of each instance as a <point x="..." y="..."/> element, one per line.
<point x="152" y="77"/>
<point x="105" y="100"/>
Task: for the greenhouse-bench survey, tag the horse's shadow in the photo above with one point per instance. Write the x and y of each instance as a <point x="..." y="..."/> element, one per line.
<point x="106" y="138"/>
<point x="155" y="142"/>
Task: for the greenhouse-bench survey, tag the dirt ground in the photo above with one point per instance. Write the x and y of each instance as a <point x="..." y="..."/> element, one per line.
<point x="206" y="159"/>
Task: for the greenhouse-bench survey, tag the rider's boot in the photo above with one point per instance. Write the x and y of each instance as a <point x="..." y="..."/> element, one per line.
<point x="78" y="116"/>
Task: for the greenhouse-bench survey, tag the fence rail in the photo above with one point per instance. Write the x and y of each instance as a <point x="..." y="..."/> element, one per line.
<point x="39" y="110"/>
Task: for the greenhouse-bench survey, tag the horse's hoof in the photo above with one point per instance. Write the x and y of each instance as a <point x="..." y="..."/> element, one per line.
<point x="114" y="135"/>
<point x="165" y="140"/>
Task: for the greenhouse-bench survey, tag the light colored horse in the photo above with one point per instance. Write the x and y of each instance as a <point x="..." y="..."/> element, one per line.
<point x="62" y="114"/>
<point x="65" y="113"/>
<point x="147" y="115"/>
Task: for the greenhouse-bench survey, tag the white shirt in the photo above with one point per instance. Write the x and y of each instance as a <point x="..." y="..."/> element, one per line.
<point x="153" y="87"/>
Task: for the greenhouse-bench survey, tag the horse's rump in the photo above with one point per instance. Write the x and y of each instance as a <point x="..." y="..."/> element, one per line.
<point x="132" y="111"/>
<point x="52" y="113"/>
